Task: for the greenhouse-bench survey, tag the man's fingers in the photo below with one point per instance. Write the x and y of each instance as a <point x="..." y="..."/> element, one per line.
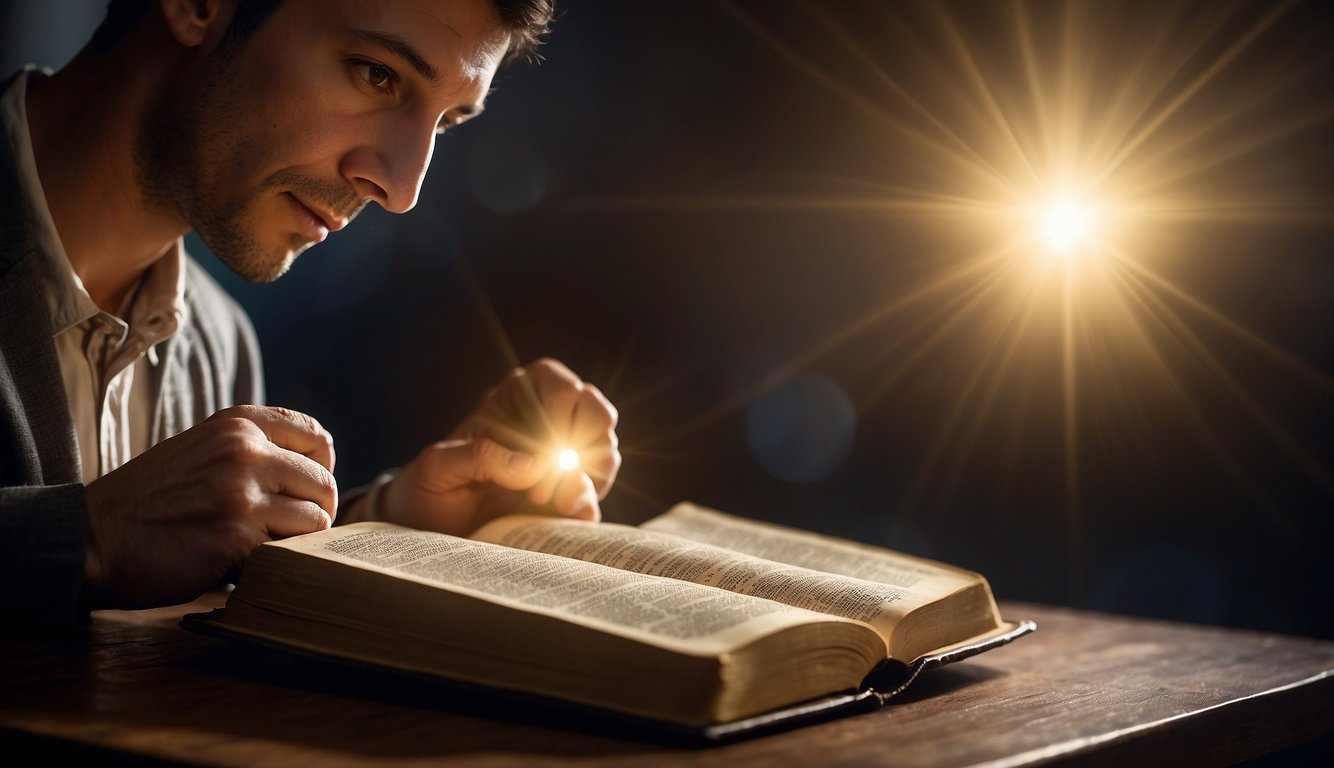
<point x="602" y="463"/>
<point x="558" y="392"/>
<point x="577" y="410"/>
<point x="542" y="493"/>
<point x="545" y="407"/>
<point x="594" y="417"/>
<point x="595" y="428"/>
<point x="458" y="463"/>
<point x="546" y="369"/>
<point x="295" y="476"/>
<point x="292" y="430"/>
<point x="541" y="398"/>
<point x="285" y="516"/>
<point x="576" y="497"/>
<point x="579" y="416"/>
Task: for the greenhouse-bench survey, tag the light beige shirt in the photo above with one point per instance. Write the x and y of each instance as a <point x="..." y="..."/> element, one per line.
<point x="105" y="358"/>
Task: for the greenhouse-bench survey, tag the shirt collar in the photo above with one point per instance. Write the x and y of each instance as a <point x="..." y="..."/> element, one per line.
<point x="155" y="308"/>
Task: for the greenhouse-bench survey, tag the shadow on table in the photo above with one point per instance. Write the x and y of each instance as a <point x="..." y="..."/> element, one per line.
<point x="484" y="718"/>
<point x="938" y="682"/>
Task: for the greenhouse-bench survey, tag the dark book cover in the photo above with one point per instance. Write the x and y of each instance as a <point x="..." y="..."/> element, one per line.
<point x="887" y="681"/>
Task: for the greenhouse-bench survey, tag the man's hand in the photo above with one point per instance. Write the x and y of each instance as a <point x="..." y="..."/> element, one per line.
<point x="182" y="518"/>
<point x="501" y="460"/>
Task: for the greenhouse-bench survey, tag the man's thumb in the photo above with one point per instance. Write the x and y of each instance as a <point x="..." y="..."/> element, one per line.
<point x="462" y="462"/>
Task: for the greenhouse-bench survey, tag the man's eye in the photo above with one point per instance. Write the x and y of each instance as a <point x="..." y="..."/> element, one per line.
<point x="376" y="76"/>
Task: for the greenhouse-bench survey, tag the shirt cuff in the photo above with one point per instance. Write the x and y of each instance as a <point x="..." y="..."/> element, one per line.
<point x="374" y="494"/>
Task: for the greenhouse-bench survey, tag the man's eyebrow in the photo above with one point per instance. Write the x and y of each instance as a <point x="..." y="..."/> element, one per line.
<point x="399" y="47"/>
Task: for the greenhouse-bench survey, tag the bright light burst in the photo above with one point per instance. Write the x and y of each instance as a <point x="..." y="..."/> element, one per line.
<point x="567" y="459"/>
<point x="1067" y="225"/>
<point x="1001" y="106"/>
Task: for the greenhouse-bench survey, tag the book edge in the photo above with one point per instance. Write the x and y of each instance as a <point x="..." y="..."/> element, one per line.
<point x="1006" y="633"/>
<point x="784" y="718"/>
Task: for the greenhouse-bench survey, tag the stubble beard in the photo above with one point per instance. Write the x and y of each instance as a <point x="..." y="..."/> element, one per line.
<point x="183" y="150"/>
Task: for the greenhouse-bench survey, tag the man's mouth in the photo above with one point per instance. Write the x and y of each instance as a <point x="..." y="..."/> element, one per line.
<point x="310" y="223"/>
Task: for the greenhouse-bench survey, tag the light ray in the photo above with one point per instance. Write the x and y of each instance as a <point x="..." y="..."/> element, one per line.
<point x="968" y="302"/>
<point x="1144" y="130"/>
<point x="1196" y="85"/>
<point x="1028" y="55"/>
<point x="1223" y="151"/>
<point x="903" y="95"/>
<point x="1074" y="520"/>
<point x="1113" y="131"/>
<point x="979" y="170"/>
<point x="1170" y="382"/>
<point x="980" y="86"/>
<point x="938" y="205"/>
<point x="1023" y="308"/>
<point x="943" y="281"/>
<point x="516" y="436"/>
<point x="1191" y="341"/>
<point x="1310" y="374"/>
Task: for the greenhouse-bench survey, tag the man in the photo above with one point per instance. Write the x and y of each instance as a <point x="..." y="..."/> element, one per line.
<point x="134" y="470"/>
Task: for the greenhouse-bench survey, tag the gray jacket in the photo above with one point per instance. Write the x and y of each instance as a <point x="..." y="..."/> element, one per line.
<point x="212" y="362"/>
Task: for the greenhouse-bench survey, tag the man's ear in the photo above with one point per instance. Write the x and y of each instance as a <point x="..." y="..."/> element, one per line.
<point x="190" y="20"/>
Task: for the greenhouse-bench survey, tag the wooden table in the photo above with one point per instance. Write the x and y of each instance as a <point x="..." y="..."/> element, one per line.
<point x="1088" y="688"/>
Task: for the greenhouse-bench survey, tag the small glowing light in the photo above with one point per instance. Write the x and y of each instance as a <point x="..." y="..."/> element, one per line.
<point x="567" y="459"/>
<point x="1067" y="224"/>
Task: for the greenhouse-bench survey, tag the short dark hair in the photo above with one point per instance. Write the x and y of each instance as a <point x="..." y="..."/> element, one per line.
<point x="527" y="21"/>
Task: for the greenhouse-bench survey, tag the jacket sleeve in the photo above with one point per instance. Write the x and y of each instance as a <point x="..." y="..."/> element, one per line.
<point x="42" y="553"/>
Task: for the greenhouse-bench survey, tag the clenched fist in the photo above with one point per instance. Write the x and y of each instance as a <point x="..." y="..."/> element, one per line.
<point x="501" y="459"/>
<point x="181" y="518"/>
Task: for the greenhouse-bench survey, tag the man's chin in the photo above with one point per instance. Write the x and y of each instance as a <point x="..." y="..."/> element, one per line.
<point x="255" y="265"/>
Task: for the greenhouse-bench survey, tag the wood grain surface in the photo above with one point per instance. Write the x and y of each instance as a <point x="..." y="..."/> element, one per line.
<point x="1086" y="688"/>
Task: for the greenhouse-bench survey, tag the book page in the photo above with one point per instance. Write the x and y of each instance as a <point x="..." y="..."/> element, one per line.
<point x="633" y="549"/>
<point x="690" y="617"/>
<point x="810" y="550"/>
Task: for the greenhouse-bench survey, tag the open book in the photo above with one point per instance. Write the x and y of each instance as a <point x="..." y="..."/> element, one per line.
<point x="697" y="620"/>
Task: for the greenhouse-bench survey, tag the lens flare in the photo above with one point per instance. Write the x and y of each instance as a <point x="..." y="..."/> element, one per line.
<point x="1068" y="224"/>
<point x="567" y="459"/>
<point x="1067" y="204"/>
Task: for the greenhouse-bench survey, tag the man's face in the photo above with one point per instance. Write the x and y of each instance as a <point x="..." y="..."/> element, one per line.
<point x="267" y="144"/>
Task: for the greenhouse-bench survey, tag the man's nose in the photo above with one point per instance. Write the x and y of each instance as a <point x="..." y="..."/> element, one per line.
<point x="389" y="167"/>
